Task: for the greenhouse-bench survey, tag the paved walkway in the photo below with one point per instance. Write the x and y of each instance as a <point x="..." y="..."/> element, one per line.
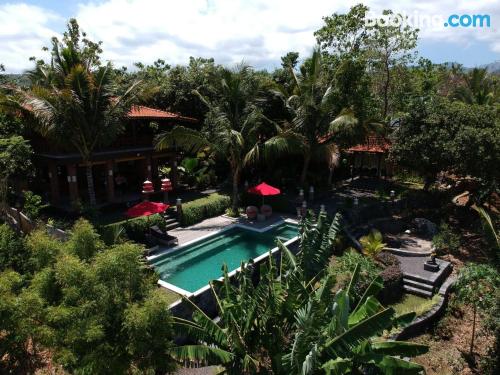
<point x="204" y="228"/>
<point x="215" y="224"/>
<point x="408" y="242"/>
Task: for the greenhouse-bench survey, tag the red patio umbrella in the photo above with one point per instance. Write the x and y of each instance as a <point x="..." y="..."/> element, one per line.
<point x="263" y="190"/>
<point x="146" y="209"/>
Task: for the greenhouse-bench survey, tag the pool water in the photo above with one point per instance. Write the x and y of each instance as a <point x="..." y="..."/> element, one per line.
<point x="192" y="267"/>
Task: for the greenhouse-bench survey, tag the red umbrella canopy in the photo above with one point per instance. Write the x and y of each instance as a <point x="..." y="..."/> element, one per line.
<point x="146" y="209"/>
<point x="264" y="189"/>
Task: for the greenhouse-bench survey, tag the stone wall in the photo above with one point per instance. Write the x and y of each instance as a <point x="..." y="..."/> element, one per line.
<point x="24" y="224"/>
<point x="423" y="322"/>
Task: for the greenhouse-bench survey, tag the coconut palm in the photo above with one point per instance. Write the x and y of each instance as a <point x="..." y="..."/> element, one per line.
<point x="315" y="116"/>
<point x="238" y="130"/>
<point x="289" y="324"/>
<point x="72" y="100"/>
<point x="478" y="88"/>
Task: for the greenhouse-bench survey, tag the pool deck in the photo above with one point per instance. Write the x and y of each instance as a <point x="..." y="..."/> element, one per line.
<point x="215" y="224"/>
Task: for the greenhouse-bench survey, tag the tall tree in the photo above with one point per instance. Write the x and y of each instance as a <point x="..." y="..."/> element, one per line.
<point x="390" y="47"/>
<point x="441" y="135"/>
<point x="315" y="113"/>
<point x="15" y="160"/>
<point x="236" y="129"/>
<point x="477" y="287"/>
<point x="384" y="46"/>
<point x="478" y="88"/>
<point x="72" y="101"/>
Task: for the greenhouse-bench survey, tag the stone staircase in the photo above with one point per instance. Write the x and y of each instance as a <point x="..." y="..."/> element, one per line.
<point x="171" y="220"/>
<point x="421" y="282"/>
<point x="418" y="286"/>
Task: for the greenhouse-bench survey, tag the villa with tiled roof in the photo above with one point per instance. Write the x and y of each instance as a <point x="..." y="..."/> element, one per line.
<point x="119" y="168"/>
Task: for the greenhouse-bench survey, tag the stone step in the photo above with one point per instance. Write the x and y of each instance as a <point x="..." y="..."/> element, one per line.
<point x="417" y="291"/>
<point x="418" y="278"/>
<point x="172" y="226"/>
<point x="417" y="284"/>
<point x="170" y="220"/>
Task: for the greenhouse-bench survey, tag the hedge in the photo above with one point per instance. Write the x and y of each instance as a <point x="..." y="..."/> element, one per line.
<point x="200" y="209"/>
<point x="193" y="212"/>
<point x="135" y="229"/>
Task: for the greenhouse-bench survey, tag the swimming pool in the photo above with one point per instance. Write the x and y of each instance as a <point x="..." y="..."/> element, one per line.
<point x="193" y="266"/>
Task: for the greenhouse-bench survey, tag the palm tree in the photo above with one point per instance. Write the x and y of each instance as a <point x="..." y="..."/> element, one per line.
<point x="290" y="323"/>
<point x="239" y="132"/>
<point x="478" y="88"/>
<point x="311" y="104"/>
<point x="72" y="100"/>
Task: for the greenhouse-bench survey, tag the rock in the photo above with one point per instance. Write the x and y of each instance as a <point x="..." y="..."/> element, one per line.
<point x="424" y="227"/>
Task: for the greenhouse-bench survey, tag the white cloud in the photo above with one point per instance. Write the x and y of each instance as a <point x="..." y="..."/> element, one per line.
<point x="256" y="31"/>
<point x="229" y="30"/>
<point x="23" y="32"/>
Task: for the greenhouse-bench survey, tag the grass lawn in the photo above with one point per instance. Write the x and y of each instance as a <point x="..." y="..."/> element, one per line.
<point x="171" y="296"/>
<point x="410" y="303"/>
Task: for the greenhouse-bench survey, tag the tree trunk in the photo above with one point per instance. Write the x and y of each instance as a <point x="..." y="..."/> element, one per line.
<point x="428" y="181"/>
<point x="236" y="182"/>
<point x="90" y="184"/>
<point x="305" y="168"/>
<point x="386" y="87"/>
<point x="4" y="188"/>
<point x="330" y="177"/>
<point x="473" y="331"/>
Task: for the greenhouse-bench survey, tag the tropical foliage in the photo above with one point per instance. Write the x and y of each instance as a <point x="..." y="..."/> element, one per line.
<point x="477" y="88"/>
<point x="95" y="307"/>
<point x="478" y="286"/>
<point x="293" y="323"/>
<point x="239" y="132"/>
<point x="373" y="243"/>
<point x="72" y="100"/>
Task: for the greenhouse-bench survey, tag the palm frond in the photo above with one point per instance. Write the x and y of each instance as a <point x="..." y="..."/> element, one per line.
<point x="182" y="137"/>
<point x="201" y="353"/>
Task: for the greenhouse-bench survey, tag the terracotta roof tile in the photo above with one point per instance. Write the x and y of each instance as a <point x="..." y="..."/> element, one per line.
<point x="373" y="144"/>
<point x="142" y="112"/>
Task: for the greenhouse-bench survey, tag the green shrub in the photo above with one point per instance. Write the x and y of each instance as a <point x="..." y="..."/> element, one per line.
<point x="342" y="268"/>
<point x="12" y="252"/>
<point x="446" y="241"/>
<point x="32" y="205"/>
<point x="372" y="243"/>
<point x="200" y="209"/>
<point x="392" y="276"/>
<point x="135" y="229"/>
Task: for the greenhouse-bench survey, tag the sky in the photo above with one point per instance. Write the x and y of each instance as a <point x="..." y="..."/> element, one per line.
<point x="255" y="31"/>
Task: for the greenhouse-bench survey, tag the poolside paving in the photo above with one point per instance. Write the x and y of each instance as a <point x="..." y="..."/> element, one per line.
<point x="215" y="224"/>
<point x="199" y="230"/>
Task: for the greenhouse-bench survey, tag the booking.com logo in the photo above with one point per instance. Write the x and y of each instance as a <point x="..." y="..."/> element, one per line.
<point x="466" y="20"/>
<point x="421" y="21"/>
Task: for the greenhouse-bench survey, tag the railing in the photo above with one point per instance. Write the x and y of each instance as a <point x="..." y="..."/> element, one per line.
<point x="41" y="146"/>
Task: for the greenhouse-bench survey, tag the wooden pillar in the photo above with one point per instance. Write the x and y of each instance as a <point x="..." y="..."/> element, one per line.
<point x="154" y="168"/>
<point x="110" y="181"/>
<point x="72" y="182"/>
<point x="149" y="168"/>
<point x="379" y="162"/>
<point x="173" y="173"/>
<point x="55" y="194"/>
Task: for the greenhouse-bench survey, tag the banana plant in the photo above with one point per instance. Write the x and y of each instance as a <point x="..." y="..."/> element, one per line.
<point x="291" y="323"/>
